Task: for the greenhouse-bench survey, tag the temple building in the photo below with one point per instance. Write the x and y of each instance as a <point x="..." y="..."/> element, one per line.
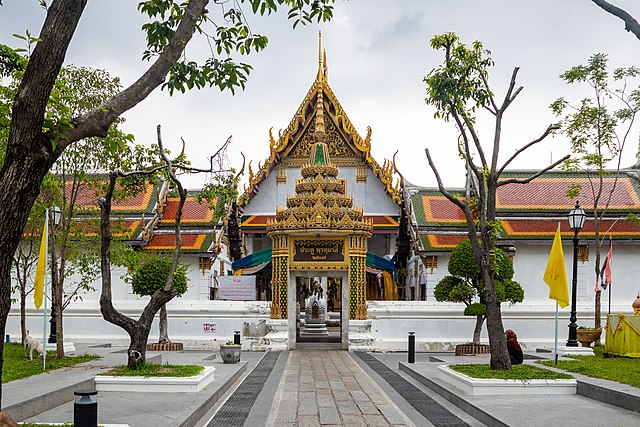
<point x="327" y="244"/>
<point x="320" y="208"/>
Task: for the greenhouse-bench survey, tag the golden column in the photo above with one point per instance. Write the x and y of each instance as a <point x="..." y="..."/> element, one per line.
<point x="279" y="276"/>
<point x="357" y="277"/>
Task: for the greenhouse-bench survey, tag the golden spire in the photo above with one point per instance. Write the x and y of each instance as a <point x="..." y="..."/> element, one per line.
<point x="324" y="64"/>
<point x="320" y="76"/>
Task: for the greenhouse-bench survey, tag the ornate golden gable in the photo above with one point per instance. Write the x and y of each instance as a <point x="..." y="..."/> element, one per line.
<point x="344" y="144"/>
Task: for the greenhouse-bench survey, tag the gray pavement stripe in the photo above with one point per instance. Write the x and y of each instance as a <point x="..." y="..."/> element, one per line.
<point x="438" y="415"/>
<point x="236" y="409"/>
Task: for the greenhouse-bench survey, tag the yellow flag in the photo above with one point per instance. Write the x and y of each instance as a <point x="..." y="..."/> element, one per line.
<point x="38" y="293"/>
<point x="556" y="274"/>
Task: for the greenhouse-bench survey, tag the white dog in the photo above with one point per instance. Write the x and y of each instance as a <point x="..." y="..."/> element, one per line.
<point x="33" y="345"/>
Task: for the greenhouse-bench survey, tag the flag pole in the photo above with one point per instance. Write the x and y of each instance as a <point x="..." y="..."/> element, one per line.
<point x="46" y="291"/>
<point x="555" y="341"/>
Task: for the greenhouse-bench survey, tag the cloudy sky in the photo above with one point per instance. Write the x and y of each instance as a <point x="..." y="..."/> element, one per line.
<point x="378" y="53"/>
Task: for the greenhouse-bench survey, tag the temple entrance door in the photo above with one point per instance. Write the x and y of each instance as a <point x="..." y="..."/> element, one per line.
<point x="318" y="308"/>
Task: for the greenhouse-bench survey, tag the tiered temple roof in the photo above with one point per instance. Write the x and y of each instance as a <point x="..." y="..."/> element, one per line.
<point x="532" y="211"/>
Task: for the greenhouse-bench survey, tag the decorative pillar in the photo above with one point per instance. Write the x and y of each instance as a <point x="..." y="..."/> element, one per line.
<point x="279" y="276"/>
<point x="357" y="277"/>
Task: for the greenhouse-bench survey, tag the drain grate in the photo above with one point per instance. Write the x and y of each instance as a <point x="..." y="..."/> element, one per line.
<point x="438" y="415"/>
<point x="236" y="409"/>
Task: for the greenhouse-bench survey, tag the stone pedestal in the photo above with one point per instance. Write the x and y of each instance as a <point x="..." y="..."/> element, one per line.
<point x="277" y="339"/>
<point x="360" y="336"/>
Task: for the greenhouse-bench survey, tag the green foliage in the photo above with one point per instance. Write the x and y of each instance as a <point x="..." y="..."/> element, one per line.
<point x="518" y="372"/>
<point x="594" y="124"/>
<point x="475" y="309"/>
<point x="454" y="289"/>
<point x="465" y="283"/>
<point x="152" y="276"/>
<point x="458" y="84"/>
<point x="463" y="262"/>
<point x="152" y="370"/>
<point x="15" y="365"/>
<point x="227" y="35"/>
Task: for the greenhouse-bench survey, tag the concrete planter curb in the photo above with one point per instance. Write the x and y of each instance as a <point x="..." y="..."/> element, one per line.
<point x="484" y="387"/>
<point x="156" y="384"/>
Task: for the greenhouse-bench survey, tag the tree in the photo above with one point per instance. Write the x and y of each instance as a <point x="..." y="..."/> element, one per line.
<point x="457" y="89"/>
<point x="152" y="276"/>
<point x="138" y="330"/>
<point x="32" y="147"/>
<point x="598" y="129"/>
<point x="465" y="283"/>
<point x="630" y="23"/>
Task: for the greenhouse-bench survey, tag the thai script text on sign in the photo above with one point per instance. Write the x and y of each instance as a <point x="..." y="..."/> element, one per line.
<point x="237" y="288"/>
<point x="318" y="250"/>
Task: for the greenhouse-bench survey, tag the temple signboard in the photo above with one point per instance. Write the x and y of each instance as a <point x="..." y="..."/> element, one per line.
<point x="318" y="253"/>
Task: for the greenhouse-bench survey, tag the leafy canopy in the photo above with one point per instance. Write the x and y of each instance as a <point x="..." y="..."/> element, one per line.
<point x="464" y="284"/>
<point x="152" y="276"/>
<point x="227" y="34"/>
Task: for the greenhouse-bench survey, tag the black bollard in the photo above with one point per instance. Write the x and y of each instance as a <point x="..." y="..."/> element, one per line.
<point x="236" y="337"/>
<point x="85" y="410"/>
<point x="412" y="347"/>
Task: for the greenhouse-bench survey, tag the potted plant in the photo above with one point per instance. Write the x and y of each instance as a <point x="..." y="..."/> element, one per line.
<point x="230" y="352"/>
<point x="587" y="335"/>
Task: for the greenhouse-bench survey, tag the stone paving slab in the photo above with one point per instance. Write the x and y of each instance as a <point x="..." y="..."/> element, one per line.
<point x="342" y="393"/>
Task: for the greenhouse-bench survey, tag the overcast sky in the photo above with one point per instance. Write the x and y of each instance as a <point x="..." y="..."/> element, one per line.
<point x="378" y="53"/>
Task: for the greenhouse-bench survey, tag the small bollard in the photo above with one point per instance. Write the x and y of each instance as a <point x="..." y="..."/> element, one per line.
<point x="412" y="347"/>
<point x="85" y="410"/>
<point x="236" y="337"/>
<point x="7" y="338"/>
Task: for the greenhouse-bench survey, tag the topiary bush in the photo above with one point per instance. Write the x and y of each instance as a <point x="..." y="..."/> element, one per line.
<point x="465" y="283"/>
<point x="152" y="276"/>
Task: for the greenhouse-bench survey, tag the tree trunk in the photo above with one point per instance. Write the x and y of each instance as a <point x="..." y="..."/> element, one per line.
<point x="59" y="335"/>
<point x="164" y="333"/>
<point x="478" y="329"/>
<point x="23" y="313"/>
<point x="139" y="329"/>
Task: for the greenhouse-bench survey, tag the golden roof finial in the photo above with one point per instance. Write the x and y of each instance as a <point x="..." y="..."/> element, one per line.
<point x="324" y="64"/>
<point x="319" y="130"/>
<point x="320" y="76"/>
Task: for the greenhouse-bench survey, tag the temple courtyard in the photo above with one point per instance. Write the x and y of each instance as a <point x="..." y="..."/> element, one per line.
<point x="317" y="384"/>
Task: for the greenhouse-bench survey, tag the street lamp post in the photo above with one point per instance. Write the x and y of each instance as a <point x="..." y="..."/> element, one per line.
<point x="56" y="216"/>
<point x="576" y="221"/>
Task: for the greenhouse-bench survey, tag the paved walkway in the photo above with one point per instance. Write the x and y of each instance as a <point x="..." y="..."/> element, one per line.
<point x="329" y="388"/>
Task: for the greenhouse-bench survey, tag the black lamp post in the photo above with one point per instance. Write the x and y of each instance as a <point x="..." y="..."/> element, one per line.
<point x="56" y="216"/>
<point x="576" y="221"/>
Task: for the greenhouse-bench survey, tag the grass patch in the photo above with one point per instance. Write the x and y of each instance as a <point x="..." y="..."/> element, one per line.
<point x="151" y="370"/>
<point x="620" y="369"/>
<point x="518" y="372"/>
<point x="16" y="365"/>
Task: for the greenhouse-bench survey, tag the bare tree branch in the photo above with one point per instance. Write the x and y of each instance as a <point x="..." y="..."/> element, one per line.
<point x="97" y="122"/>
<point x="532" y="177"/>
<point x="546" y="133"/>
<point x="183" y="196"/>
<point x="630" y="23"/>
<point x="453" y="199"/>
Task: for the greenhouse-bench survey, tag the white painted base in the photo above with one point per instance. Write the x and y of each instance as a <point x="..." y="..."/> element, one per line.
<point x="156" y="384"/>
<point x="575" y="351"/>
<point x="277" y="339"/>
<point x="484" y="387"/>
<point x="360" y="336"/>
